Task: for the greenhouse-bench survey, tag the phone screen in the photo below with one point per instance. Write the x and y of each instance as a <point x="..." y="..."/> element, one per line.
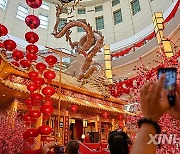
<point x="169" y="83"/>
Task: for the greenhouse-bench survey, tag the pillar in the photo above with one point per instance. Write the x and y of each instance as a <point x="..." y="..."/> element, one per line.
<point x="113" y="124"/>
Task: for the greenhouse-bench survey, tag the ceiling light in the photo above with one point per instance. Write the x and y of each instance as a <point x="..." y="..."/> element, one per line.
<point x="4" y="95"/>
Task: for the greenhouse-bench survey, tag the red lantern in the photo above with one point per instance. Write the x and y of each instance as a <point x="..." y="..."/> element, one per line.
<point x="120" y="117"/>
<point x="105" y="114"/>
<point x="25" y="63"/>
<point x="34" y="3"/>
<point x="28" y="101"/>
<point x="15" y="63"/>
<point x="49" y="75"/>
<point x="48" y="102"/>
<point x="121" y="124"/>
<point x="31" y="132"/>
<point x="47" y="109"/>
<point x="31" y="57"/>
<point x="32" y="87"/>
<point x="26" y="117"/>
<point x="32" y="21"/>
<point x="37" y="97"/>
<point x="34" y="114"/>
<point x="31" y="48"/>
<point x="44" y="130"/>
<point x="51" y="60"/>
<point x="48" y="91"/>
<point x="9" y="45"/>
<point x="41" y="67"/>
<point x="33" y="75"/>
<point x="3" y="30"/>
<point x="38" y="82"/>
<point x="17" y="55"/>
<point x="74" y="108"/>
<point x="31" y="37"/>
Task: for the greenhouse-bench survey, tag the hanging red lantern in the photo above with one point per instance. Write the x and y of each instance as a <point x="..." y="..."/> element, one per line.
<point x="74" y="108"/>
<point x="17" y="55"/>
<point x="121" y="124"/>
<point x="47" y="109"/>
<point x="31" y="132"/>
<point x="49" y="75"/>
<point x="45" y="130"/>
<point x="31" y="48"/>
<point x="34" y="114"/>
<point x="48" y="91"/>
<point x="34" y="3"/>
<point x="48" y="102"/>
<point x="25" y="63"/>
<point x="33" y="75"/>
<point x="28" y="102"/>
<point x="26" y="117"/>
<point x="41" y="67"/>
<point x="38" y="82"/>
<point x="9" y="45"/>
<point x="15" y="63"/>
<point x="51" y="60"/>
<point x="120" y="117"/>
<point x="37" y="97"/>
<point x="32" y="87"/>
<point x="105" y="114"/>
<point x="31" y="57"/>
<point x="3" y="30"/>
<point x="32" y="21"/>
<point x="31" y="37"/>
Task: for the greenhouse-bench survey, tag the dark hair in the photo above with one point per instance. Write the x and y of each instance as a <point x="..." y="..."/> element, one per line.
<point x="118" y="142"/>
<point x="72" y="147"/>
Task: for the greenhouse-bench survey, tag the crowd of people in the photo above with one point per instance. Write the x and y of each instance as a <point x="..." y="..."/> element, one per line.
<point x="154" y="103"/>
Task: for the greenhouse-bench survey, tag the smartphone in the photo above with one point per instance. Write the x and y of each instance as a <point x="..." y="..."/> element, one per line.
<point x="169" y="83"/>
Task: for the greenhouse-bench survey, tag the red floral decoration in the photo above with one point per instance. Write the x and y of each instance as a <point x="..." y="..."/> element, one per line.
<point x="3" y="30"/>
<point x="32" y="21"/>
<point x="31" y="37"/>
<point x="9" y="45"/>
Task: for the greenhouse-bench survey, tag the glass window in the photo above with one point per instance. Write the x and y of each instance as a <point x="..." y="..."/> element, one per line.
<point x="45" y="5"/>
<point x="99" y="8"/>
<point x="22" y="12"/>
<point x="43" y="21"/>
<point x="3" y="4"/>
<point x="81" y="11"/>
<point x="135" y="5"/>
<point x="115" y="2"/>
<point x="62" y="23"/>
<point x="79" y="29"/>
<point x="117" y="17"/>
<point x="99" y="23"/>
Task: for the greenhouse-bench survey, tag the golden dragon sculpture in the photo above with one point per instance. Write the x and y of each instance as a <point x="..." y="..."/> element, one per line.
<point x="88" y="45"/>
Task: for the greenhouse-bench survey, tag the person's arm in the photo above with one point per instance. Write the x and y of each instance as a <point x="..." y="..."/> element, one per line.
<point x="49" y="146"/>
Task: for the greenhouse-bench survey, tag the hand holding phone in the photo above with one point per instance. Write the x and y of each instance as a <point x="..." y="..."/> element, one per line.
<point x="169" y="83"/>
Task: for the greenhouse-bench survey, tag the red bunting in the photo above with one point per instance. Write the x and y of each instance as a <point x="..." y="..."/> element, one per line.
<point x="139" y="44"/>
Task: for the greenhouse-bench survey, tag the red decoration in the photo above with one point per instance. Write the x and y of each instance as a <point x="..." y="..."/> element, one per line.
<point x="41" y="67"/>
<point x="28" y="101"/>
<point x="48" y="102"/>
<point x="17" y="55"/>
<point x="31" y="48"/>
<point x="105" y="114"/>
<point x="32" y="21"/>
<point x="9" y="45"/>
<point x="51" y="60"/>
<point x="49" y="75"/>
<point x="74" y="108"/>
<point x="15" y="63"/>
<point x="38" y="82"/>
<point x="120" y="117"/>
<point x="25" y="63"/>
<point x="34" y="3"/>
<point x="121" y="124"/>
<point x="44" y="130"/>
<point x="29" y="152"/>
<point x="37" y="97"/>
<point x="31" y="37"/>
<point x="34" y="114"/>
<point x="33" y="75"/>
<point x="3" y="30"/>
<point x="31" y="57"/>
<point x="32" y="87"/>
<point x="26" y="117"/>
<point x="31" y="132"/>
<point x="47" y="109"/>
<point x="48" y="91"/>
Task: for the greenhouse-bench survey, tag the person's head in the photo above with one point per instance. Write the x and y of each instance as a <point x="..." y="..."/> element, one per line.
<point x="72" y="147"/>
<point x="118" y="142"/>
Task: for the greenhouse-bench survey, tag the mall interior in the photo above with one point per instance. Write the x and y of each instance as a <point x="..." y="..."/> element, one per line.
<point x="73" y="70"/>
